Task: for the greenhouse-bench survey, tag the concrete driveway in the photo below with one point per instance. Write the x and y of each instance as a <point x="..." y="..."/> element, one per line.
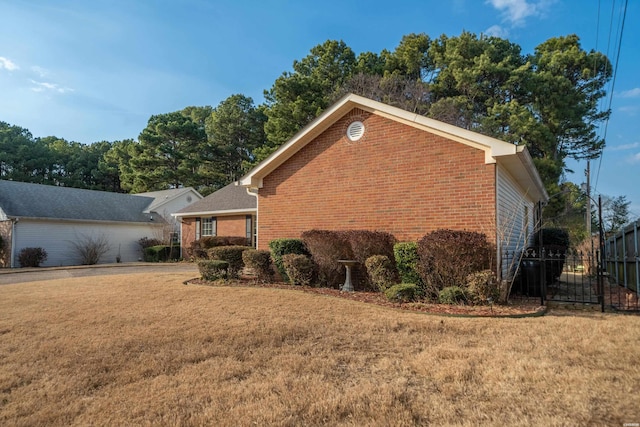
<point x="21" y="275"/>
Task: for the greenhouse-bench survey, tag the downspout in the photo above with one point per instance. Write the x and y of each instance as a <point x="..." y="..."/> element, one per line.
<point x="255" y="194"/>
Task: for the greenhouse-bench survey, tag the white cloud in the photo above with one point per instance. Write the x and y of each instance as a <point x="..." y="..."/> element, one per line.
<point x="631" y="93"/>
<point x="635" y="158"/>
<point x="516" y="11"/>
<point x="7" y="64"/>
<point x="497" y="31"/>
<point x="42" y="72"/>
<point x="43" y="86"/>
<point x="630" y="110"/>
<point x="623" y="147"/>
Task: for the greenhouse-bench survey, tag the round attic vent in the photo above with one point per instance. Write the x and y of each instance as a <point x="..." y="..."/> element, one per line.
<point x="355" y="131"/>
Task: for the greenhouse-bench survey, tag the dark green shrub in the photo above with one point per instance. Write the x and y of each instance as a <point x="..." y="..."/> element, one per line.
<point x="260" y="262"/>
<point x="553" y="237"/>
<point x="299" y="269"/>
<point x="406" y="256"/>
<point x="404" y="292"/>
<point x="231" y="254"/>
<point x="280" y="247"/>
<point x="555" y="242"/>
<point x="199" y="248"/>
<point x="447" y="257"/>
<point x="160" y="253"/>
<point x="31" y="257"/>
<point x="147" y="242"/>
<point x="326" y="248"/>
<point x="452" y="295"/>
<point x="482" y="287"/>
<point x="213" y="269"/>
<point x="381" y="272"/>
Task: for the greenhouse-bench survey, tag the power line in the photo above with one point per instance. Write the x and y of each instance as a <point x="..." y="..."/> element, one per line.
<point x="613" y="83"/>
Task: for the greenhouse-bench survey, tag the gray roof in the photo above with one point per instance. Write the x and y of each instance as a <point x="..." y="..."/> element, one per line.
<point x="21" y="199"/>
<point x="230" y="198"/>
<point x="163" y="196"/>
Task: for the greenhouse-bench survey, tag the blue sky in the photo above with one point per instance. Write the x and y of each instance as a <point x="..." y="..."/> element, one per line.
<point x="97" y="70"/>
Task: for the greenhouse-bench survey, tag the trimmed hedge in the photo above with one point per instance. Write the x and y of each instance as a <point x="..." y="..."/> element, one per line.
<point x="404" y="292"/>
<point x="483" y="287"/>
<point x="447" y="257"/>
<point x="299" y="269"/>
<point x="231" y="254"/>
<point x="213" y="269"/>
<point x="260" y="262"/>
<point x="327" y="247"/>
<point x="161" y="253"/>
<point x="452" y="295"/>
<point x="281" y="247"/>
<point x="199" y="248"/>
<point x="406" y="256"/>
<point x="32" y="257"/>
<point x="381" y="272"/>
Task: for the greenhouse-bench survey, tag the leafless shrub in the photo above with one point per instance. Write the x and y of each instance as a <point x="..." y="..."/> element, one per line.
<point x="90" y="248"/>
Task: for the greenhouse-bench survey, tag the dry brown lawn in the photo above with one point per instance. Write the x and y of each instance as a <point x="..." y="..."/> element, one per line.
<point x="148" y="350"/>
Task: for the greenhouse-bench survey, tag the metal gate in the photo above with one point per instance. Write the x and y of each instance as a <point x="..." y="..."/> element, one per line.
<point x="557" y="275"/>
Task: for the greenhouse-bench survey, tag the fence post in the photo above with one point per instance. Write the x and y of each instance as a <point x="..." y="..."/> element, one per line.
<point x="637" y="255"/>
<point x="601" y="263"/>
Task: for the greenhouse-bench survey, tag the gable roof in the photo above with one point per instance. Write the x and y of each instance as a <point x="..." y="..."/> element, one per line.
<point x="515" y="158"/>
<point x="230" y="199"/>
<point x="26" y="200"/>
<point x="165" y="196"/>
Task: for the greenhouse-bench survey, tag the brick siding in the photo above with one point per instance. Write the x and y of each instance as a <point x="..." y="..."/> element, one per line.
<point x="231" y="225"/>
<point x="396" y="178"/>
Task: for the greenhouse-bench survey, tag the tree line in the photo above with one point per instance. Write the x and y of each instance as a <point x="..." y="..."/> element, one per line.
<point x="546" y="100"/>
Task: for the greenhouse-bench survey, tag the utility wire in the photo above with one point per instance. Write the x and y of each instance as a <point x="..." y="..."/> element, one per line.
<point x="613" y="83"/>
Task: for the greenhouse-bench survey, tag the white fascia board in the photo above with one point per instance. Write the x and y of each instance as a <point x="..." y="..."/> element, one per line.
<point x="215" y="213"/>
<point x="492" y="147"/>
<point x="253" y="179"/>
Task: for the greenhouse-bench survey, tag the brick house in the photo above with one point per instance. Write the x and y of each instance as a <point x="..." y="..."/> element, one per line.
<point x="230" y="211"/>
<point x="363" y="164"/>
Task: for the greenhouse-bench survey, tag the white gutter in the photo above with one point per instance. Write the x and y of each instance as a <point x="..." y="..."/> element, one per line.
<point x="213" y="213"/>
<point x="254" y="192"/>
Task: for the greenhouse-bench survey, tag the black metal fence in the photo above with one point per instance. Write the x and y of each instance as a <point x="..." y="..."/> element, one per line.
<point x="555" y="275"/>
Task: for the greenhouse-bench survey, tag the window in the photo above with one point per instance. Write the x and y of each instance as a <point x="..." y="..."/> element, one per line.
<point x="251" y="230"/>
<point x="209" y="226"/>
<point x="525" y="220"/>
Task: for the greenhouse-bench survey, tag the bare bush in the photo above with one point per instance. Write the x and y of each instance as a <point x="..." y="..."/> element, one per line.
<point x="90" y="248"/>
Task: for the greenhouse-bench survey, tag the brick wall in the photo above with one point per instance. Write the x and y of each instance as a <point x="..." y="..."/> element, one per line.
<point x="396" y="178"/>
<point x="232" y="225"/>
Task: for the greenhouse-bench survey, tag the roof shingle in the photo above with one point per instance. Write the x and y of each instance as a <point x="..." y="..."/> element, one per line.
<point x="230" y="198"/>
<point x="21" y="199"/>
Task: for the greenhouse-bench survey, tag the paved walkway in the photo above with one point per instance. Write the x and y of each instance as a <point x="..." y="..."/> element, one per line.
<point x="21" y="275"/>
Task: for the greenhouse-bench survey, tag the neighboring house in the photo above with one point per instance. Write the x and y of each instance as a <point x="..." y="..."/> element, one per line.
<point x="168" y="202"/>
<point x="230" y="211"/>
<point x="366" y="165"/>
<point x="53" y="218"/>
